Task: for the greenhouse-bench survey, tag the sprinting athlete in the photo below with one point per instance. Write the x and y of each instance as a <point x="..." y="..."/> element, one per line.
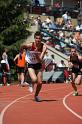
<point x="75" y="64"/>
<point x="34" y="55"/>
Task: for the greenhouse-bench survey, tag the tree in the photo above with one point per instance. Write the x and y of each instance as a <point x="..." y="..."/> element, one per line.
<point x="13" y="23"/>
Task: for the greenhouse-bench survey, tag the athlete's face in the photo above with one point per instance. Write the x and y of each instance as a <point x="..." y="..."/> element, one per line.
<point x="73" y="51"/>
<point x="38" y="40"/>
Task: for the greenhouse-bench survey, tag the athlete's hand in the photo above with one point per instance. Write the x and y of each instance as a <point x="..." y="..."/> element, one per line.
<point x="70" y="65"/>
<point x="81" y="69"/>
<point x="43" y="51"/>
<point x="44" y="48"/>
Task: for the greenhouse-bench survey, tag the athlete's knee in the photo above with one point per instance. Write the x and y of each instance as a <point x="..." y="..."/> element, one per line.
<point x="72" y="82"/>
<point x="78" y="82"/>
<point x="39" y="82"/>
<point x="34" y="79"/>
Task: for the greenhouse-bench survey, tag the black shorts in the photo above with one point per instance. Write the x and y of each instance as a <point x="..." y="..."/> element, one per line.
<point x="76" y="71"/>
<point x="20" y="69"/>
<point x="36" y="66"/>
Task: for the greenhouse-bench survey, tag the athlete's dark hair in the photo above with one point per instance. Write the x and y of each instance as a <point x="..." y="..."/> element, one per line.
<point x="73" y="47"/>
<point x="37" y="33"/>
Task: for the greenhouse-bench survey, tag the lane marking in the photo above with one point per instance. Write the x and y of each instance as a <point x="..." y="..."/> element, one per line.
<point x="5" y="109"/>
<point x="16" y="100"/>
<point x="68" y="108"/>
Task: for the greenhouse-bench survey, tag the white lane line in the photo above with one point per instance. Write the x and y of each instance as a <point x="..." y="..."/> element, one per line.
<point x="4" y="110"/>
<point x="68" y="108"/>
<point x="16" y="100"/>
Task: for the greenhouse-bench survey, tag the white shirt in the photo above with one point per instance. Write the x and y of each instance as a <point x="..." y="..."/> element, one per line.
<point x="31" y="57"/>
<point x="61" y="65"/>
<point x="65" y="16"/>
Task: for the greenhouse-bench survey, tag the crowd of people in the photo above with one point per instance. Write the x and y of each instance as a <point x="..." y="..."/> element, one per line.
<point x="68" y="33"/>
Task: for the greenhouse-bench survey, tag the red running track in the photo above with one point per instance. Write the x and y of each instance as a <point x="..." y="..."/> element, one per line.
<point x="58" y="106"/>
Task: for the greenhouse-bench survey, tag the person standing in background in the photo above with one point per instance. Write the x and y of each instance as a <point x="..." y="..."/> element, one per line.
<point x="5" y="57"/>
<point x="5" y="68"/>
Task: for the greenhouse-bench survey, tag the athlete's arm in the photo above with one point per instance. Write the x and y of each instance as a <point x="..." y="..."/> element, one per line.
<point x="26" y="46"/>
<point x="43" y="51"/>
<point x="70" y="64"/>
<point x="16" y="59"/>
<point x="80" y="57"/>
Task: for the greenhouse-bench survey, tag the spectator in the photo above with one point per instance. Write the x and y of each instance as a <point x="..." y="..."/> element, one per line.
<point x="62" y="66"/>
<point x="57" y="5"/>
<point x="53" y="63"/>
<point x="5" y="73"/>
<point x="5" y="57"/>
<point x="37" y="3"/>
<point x="48" y="20"/>
<point x="65" y="17"/>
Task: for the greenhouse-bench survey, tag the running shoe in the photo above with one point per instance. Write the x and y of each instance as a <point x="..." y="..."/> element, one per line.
<point x="1" y="84"/>
<point x="67" y="81"/>
<point x="75" y="94"/>
<point x="37" y="99"/>
<point x="26" y="83"/>
<point x="30" y="88"/>
<point x="8" y="84"/>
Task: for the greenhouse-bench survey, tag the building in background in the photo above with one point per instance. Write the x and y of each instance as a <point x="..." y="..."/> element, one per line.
<point x="57" y="7"/>
<point x="63" y="3"/>
<point x="42" y="2"/>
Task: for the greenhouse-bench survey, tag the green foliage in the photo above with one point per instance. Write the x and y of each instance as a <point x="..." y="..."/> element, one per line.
<point x="14" y="22"/>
